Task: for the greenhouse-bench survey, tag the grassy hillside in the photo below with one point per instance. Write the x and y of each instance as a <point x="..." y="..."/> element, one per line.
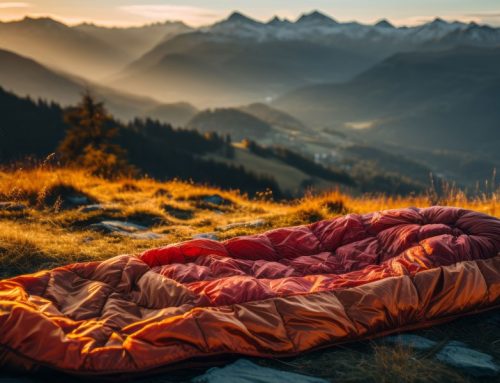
<point x="292" y="180"/>
<point x="237" y="124"/>
<point x="274" y="117"/>
<point x="53" y="231"/>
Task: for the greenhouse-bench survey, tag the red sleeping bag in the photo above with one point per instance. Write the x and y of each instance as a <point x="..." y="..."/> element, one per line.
<point x="275" y="294"/>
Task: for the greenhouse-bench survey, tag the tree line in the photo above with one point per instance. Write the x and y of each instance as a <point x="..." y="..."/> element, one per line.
<point x="87" y="136"/>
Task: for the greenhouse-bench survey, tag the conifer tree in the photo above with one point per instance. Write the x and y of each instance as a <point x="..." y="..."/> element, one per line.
<point x="89" y="140"/>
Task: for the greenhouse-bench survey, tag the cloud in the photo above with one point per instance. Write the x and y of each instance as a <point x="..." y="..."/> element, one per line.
<point x="14" y="5"/>
<point x="492" y="18"/>
<point x="192" y="15"/>
<point x="484" y="15"/>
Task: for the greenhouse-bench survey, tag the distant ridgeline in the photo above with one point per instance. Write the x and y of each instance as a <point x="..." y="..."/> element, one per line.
<point x="34" y="129"/>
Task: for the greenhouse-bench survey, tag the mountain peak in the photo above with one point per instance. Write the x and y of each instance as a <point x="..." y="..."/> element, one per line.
<point x="45" y="21"/>
<point x="315" y="17"/>
<point x="438" y="21"/>
<point x="384" y="23"/>
<point x="240" y="18"/>
<point x="277" y="21"/>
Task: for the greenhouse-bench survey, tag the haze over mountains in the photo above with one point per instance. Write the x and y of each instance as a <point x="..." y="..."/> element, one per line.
<point x="27" y="77"/>
<point x="248" y="59"/>
<point x="341" y="93"/>
<point x="135" y="41"/>
<point x="55" y="44"/>
<point x="252" y="61"/>
<point x="440" y="99"/>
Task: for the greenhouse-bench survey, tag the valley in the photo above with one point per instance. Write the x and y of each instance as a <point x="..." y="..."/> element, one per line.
<point x="396" y="108"/>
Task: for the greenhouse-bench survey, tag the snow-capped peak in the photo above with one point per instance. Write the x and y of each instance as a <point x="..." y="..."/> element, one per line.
<point x="438" y="21"/>
<point x="315" y="17"/>
<point x="384" y="23"/>
<point x="276" y="21"/>
<point x="316" y="26"/>
<point x="237" y="17"/>
<point x="239" y="25"/>
<point x="437" y="29"/>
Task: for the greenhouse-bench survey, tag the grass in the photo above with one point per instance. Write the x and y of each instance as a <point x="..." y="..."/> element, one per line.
<point x="51" y="231"/>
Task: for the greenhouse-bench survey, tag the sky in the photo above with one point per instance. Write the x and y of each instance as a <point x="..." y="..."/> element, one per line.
<point x="203" y="12"/>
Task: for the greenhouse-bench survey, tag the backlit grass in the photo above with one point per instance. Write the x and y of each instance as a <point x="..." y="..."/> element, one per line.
<point x="52" y="232"/>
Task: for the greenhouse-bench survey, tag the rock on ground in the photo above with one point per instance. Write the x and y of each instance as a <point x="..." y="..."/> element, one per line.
<point x="470" y="361"/>
<point x="126" y="229"/>
<point x="12" y="206"/>
<point x="416" y="342"/>
<point x="244" y="371"/>
<point x="99" y="207"/>
<point x="255" y="223"/>
<point x="211" y="236"/>
<point x="216" y="200"/>
<point x="455" y="354"/>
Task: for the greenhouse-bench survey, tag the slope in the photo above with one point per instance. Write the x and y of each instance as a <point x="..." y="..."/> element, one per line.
<point x="135" y="41"/>
<point x="446" y="99"/>
<point x="26" y="77"/>
<point x="62" y="47"/>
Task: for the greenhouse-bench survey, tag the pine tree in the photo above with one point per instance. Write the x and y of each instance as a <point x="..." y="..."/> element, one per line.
<point x="229" y="148"/>
<point x="89" y="140"/>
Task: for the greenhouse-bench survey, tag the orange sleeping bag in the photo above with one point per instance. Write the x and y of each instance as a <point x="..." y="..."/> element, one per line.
<point x="280" y="293"/>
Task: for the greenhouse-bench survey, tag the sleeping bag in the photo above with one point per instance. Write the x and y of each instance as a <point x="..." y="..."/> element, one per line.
<point x="279" y="293"/>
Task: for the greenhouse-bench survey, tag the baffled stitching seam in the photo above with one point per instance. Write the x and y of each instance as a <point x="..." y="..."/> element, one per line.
<point x="47" y="285"/>
<point x="320" y="246"/>
<point x="346" y="311"/>
<point x="193" y="315"/>
<point x="294" y="346"/>
<point x="275" y="249"/>
<point x="368" y="235"/>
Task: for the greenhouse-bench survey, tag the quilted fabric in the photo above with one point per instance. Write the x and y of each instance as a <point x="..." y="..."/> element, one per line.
<point x="275" y="294"/>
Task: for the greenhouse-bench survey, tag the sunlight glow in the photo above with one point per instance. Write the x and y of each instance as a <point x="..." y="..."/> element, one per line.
<point x="201" y="12"/>
<point x="190" y="15"/>
<point x="14" y="5"/>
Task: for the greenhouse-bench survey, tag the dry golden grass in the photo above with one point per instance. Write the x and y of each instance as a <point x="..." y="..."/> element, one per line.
<point x="48" y="233"/>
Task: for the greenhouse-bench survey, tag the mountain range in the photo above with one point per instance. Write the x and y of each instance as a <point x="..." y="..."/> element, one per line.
<point x="235" y="61"/>
<point x="240" y="60"/>
<point x="91" y="51"/>
<point x="343" y="93"/>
